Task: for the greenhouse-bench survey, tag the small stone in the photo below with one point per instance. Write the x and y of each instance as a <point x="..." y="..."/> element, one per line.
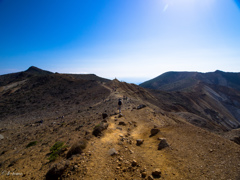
<point x="104" y="115"/>
<point x="150" y="178"/>
<point x="112" y="152"/>
<point x="122" y="123"/>
<point x="154" y="131"/>
<point x="141" y="106"/>
<point x="134" y="163"/>
<point x="144" y="174"/>
<point x="1" y="137"/>
<point x="104" y="120"/>
<point x="139" y="142"/>
<point x="163" y="144"/>
<point x="156" y="173"/>
<point x="131" y="151"/>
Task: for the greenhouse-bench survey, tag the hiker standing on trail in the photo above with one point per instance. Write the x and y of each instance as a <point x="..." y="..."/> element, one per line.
<point x="119" y="105"/>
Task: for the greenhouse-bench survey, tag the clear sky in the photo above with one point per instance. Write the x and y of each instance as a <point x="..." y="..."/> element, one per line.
<point x="132" y="40"/>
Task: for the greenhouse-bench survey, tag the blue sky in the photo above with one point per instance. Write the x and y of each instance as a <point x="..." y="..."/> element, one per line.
<point x="132" y="40"/>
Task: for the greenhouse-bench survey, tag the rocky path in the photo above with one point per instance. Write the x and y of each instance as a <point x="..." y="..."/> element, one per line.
<point x="196" y="154"/>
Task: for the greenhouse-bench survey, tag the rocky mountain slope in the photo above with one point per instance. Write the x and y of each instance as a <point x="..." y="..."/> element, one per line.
<point x="184" y="81"/>
<point x="213" y="96"/>
<point x="56" y="126"/>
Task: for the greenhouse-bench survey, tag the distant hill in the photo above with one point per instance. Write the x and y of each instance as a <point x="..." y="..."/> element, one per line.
<point x="19" y="76"/>
<point x="214" y="95"/>
<point x="34" y="89"/>
<point x="183" y="81"/>
<point x="34" y="71"/>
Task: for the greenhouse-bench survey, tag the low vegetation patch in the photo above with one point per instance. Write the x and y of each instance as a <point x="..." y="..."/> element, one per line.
<point x="33" y="143"/>
<point x="56" y="150"/>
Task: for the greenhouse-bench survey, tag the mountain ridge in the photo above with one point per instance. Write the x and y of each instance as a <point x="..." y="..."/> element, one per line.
<point x="175" y="80"/>
<point x="39" y="112"/>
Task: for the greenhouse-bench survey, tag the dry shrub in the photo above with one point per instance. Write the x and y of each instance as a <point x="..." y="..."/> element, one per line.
<point x="77" y="148"/>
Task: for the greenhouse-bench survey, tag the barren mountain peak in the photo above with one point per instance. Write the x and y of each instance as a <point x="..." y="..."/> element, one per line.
<point x="37" y="71"/>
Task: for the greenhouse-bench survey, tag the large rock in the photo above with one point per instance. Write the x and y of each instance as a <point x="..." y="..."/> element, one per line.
<point x="143" y="174"/>
<point x="235" y="139"/>
<point x="77" y="148"/>
<point x="141" y="106"/>
<point x="139" y="142"/>
<point x="56" y="171"/>
<point x="156" y="173"/>
<point x="99" y="128"/>
<point x="113" y="152"/>
<point x="134" y="163"/>
<point x="104" y="115"/>
<point x="122" y="123"/>
<point x="163" y="144"/>
<point x="149" y="178"/>
<point x="154" y="131"/>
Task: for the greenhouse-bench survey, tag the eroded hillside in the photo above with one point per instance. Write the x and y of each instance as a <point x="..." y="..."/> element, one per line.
<point x="152" y="139"/>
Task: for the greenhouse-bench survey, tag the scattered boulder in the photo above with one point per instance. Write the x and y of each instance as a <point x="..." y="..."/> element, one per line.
<point x="86" y="133"/>
<point x="99" y="128"/>
<point x="134" y="163"/>
<point x="112" y="152"/>
<point x="156" y="173"/>
<point x="150" y="178"/>
<point x="77" y="148"/>
<point x="1" y="137"/>
<point x="104" y="120"/>
<point x="122" y="123"/>
<point x="141" y="106"/>
<point x="39" y="122"/>
<point x="56" y="171"/>
<point x="104" y="115"/>
<point x="139" y="142"/>
<point x="144" y="174"/>
<point x="120" y="115"/>
<point x="235" y="139"/>
<point x="154" y="131"/>
<point x="163" y="144"/>
<point x="3" y="130"/>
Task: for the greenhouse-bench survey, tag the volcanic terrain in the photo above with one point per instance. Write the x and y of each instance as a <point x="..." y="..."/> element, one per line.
<point x="64" y="126"/>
